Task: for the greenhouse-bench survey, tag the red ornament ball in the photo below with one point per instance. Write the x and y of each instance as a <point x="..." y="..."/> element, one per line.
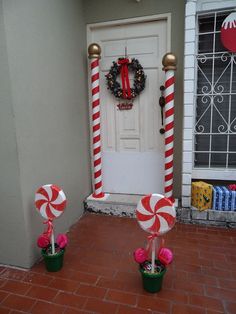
<point x="228" y="32"/>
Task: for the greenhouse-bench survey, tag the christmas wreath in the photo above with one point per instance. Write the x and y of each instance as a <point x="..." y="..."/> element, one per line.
<point x="122" y="67"/>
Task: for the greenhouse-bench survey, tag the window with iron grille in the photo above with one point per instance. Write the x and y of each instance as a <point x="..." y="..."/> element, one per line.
<point x="215" y="97"/>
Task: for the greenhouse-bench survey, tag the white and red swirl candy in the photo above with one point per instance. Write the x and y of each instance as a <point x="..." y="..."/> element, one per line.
<point x="50" y="200"/>
<point x="156" y="214"/>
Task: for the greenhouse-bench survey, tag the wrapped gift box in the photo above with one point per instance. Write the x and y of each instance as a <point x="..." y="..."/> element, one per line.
<point x="224" y="199"/>
<point x="201" y="195"/>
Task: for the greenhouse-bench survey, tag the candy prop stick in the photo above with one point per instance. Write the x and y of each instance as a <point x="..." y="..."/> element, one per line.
<point x="50" y="200"/>
<point x="153" y="254"/>
<point x="53" y="243"/>
<point x="156" y="215"/>
<point x="94" y="51"/>
<point x="169" y="66"/>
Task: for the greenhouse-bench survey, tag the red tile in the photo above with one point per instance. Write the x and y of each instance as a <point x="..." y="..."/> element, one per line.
<point x="186" y="309"/>
<point x="231" y="307"/>
<point x="75" y="311"/>
<point x="64" y="273"/>
<point x="84" y="277"/>
<point x="99" y="276"/>
<point x="203" y="279"/>
<point x="17" y="302"/>
<point x="2" y="281"/>
<point x="223" y="294"/>
<point x="121" y="297"/>
<point x="110" y="283"/>
<point x="101" y="271"/>
<point x="188" y="286"/>
<point x="217" y="272"/>
<point x="17" y="287"/>
<point x="227" y="284"/>
<point x="215" y="312"/>
<point x="64" y="284"/>
<point x="43" y="293"/>
<point x="4" y="310"/>
<point x="41" y="307"/>
<point x="206" y="302"/>
<point x="173" y="295"/>
<point x="15" y="274"/>
<point x="16" y="312"/>
<point x="38" y="279"/>
<point x="189" y="267"/>
<point x="70" y="299"/>
<point x="40" y="268"/>
<point x="135" y="286"/>
<point x="90" y="291"/>
<point x="3" y="295"/>
<point x="154" y="304"/>
<point x="124" y="309"/>
<point x="98" y="306"/>
<point x="126" y="276"/>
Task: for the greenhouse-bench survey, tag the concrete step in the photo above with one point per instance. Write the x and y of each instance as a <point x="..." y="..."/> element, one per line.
<point x="113" y="204"/>
<point x="125" y="205"/>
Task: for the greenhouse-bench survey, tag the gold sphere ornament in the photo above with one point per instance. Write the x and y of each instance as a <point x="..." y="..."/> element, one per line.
<point x="94" y="51"/>
<point x="169" y="61"/>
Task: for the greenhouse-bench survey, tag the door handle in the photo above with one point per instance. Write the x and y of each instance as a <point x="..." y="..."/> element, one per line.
<point x="162" y="103"/>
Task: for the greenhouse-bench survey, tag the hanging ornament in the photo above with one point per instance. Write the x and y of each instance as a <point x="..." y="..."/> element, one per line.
<point x="122" y="68"/>
<point x="228" y="32"/>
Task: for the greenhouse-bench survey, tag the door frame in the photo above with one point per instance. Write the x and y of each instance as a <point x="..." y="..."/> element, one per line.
<point x="94" y="26"/>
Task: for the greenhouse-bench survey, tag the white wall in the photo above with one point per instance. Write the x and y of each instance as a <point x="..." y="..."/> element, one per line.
<point x="47" y="63"/>
<point x="13" y="241"/>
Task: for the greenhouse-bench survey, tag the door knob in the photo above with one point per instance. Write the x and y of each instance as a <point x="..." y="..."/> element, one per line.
<point x="162" y="105"/>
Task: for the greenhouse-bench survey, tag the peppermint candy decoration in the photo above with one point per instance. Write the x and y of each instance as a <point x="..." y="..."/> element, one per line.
<point x="228" y="32"/>
<point x="50" y="200"/>
<point x="156" y="214"/>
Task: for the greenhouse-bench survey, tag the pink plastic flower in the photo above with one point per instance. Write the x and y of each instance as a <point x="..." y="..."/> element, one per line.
<point x="140" y="255"/>
<point x="165" y="256"/>
<point x="62" y="240"/>
<point x="43" y="241"/>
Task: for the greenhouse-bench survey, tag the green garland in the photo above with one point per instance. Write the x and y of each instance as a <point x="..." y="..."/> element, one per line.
<point x="139" y="79"/>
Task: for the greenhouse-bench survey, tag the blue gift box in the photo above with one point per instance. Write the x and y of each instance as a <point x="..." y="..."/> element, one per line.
<point x="232" y="200"/>
<point x="224" y="199"/>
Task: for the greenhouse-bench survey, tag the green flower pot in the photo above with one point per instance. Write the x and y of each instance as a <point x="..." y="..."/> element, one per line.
<point x="152" y="282"/>
<point x="54" y="262"/>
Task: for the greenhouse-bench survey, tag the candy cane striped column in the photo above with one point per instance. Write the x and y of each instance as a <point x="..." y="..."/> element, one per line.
<point x="169" y="66"/>
<point x="94" y="51"/>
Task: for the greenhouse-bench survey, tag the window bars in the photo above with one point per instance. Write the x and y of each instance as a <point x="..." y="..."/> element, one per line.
<point x="215" y="97"/>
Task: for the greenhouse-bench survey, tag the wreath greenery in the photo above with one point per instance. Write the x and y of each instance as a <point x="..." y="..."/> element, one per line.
<point x="139" y="79"/>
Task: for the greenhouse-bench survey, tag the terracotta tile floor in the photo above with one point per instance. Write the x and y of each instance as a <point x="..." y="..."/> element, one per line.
<point x="99" y="275"/>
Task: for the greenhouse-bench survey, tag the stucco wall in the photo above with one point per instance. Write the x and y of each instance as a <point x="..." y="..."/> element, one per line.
<point x="106" y="10"/>
<point x="47" y="65"/>
<point x="12" y="227"/>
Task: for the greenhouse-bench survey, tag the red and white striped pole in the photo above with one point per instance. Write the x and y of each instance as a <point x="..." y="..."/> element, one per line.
<point x="94" y="51"/>
<point x="169" y="62"/>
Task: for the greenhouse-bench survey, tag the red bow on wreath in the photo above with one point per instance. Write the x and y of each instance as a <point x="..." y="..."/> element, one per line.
<point x="124" y="73"/>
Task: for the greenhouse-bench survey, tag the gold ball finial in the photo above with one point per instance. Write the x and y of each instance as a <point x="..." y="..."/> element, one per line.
<point x="169" y="61"/>
<point x="94" y="51"/>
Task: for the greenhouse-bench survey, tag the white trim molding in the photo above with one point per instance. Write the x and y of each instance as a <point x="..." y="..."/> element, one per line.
<point x="189" y="81"/>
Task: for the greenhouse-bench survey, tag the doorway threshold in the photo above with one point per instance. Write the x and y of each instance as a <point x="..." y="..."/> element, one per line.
<point x="114" y="204"/>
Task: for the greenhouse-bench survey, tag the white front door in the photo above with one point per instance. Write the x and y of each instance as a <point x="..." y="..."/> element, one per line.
<point x="132" y="146"/>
